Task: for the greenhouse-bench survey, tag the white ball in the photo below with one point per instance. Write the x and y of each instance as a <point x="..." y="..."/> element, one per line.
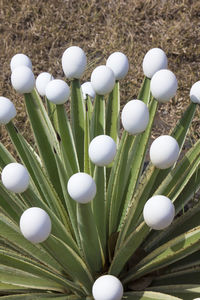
<point x="20" y="60"/>
<point x="135" y="116"/>
<point x="164" y="151"/>
<point x="74" y="62"/>
<point x="81" y="187"/>
<point x="107" y="287"/>
<point x="7" y="110"/>
<point x="35" y="225"/>
<point x="23" y="80"/>
<point x="57" y="91"/>
<point x="102" y="150"/>
<point x="154" y="60"/>
<point x="41" y="82"/>
<point x="158" y="212"/>
<point x="163" y="85"/>
<point x="87" y="89"/>
<point x="15" y="178"/>
<point x="102" y="80"/>
<point x="119" y="64"/>
<point x="195" y="92"/>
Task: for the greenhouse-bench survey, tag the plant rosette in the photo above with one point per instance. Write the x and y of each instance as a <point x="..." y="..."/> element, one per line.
<point x="15" y="178"/>
<point x="164" y="151"/>
<point x="135" y="117"/>
<point x="102" y="80"/>
<point x="81" y="187"/>
<point x="20" y="60"/>
<point x="7" y="110"/>
<point x="154" y="60"/>
<point x="88" y="90"/>
<point x="118" y="62"/>
<point x="57" y="91"/>
<point x="107" y="287"/>
<point x="41" y="82"/>
<point x="23" y="80"/>
<point x="74" y="62"/>
<point x="158" y="212"/>
<point x="102" y="150"/>
<point x="35" y="225"/>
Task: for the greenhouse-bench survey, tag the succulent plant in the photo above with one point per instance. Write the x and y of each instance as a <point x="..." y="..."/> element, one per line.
<point x="87" y="212"/>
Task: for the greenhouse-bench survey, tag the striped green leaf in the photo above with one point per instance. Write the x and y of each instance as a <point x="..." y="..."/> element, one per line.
<point x="148" y="295"/>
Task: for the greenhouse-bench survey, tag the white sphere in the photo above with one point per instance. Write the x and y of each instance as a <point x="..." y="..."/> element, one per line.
<point x="35" y="225"/>
<point x="102" y="80"/>
<point x="74" y="62"/>
<point x="41" y="82"/>
<point x="195" y="92"/>
<point x="135" y="116"/>
<point x="23" y="80"/>
<point x="107" y="287"/>
<point x="158" y="212"/>
<point x="154" y="60"/>
<point x="164" y="151"/>
<point x="87" y="89"/>
<point x="20" y="60"/>
<point x="15" y="178"/>
<point x="7" y="110"/>
<point x="102" y="150"/>
<point x="119" y="64"/>
<point x="163" y="85"/>
<point x="57" y="91"/>
<point x="81" y="187"/>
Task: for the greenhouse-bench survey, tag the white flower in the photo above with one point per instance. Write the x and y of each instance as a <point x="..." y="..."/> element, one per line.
<point x="164" y="151"/>
<point x="158" y="212"/>
<point x="119" y="64"/>
<point x="87" y="89"/>
<point x="102" y="150"/>
<point x="135" y="116"/>
<point x="81" y="187"/>
<point x="154" y="60"/>
<point x="20" y="60"/>
<point x="163" y="85"/>
<point x="57" y="91"/>
<point x="35" y="225"/>
<point x="195" y="92"/>
<point x="7" y="110"/>
<point x="107" y="287"/>
<point x="41" y="82"/>
<point x="74" y="62"/>
<point x="15" y="178"/>
<point x="102" y="80"/>
<point x="23" y="80"/>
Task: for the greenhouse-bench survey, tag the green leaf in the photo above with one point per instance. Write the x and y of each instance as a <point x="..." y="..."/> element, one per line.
<point x="87" y="165"/>
<point x="42" y="296"/>
<point x="113" y="114"/>
<point x="148" y="295"/>
<point x="77" y="118"/>
<point x="144" y="93"/>
<point x="185" y="291"/>
<point x="5" y="157"/>
<point x="98" y="118"/>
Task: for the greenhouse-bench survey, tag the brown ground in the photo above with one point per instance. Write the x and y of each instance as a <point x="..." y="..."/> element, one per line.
<point x="44" y="29"/>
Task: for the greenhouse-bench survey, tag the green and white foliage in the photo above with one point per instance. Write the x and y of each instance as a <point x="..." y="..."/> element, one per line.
<point x="84" y="214"/>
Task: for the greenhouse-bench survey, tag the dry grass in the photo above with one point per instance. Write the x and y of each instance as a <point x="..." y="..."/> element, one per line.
<point x="44" y="29"/>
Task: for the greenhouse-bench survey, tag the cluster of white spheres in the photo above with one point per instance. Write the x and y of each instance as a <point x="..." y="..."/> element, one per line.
<point x="57" y="91"/>
<point x="7" y="110"/>
<point x="20" y="60"/>
<point x="107" y="287"/>
<point x="35" y="225"/>
<point x="164" y="151"/>
<point x="102" y="80"/>
<point x="195" y="92"/>
<point x="15" y="178"/>
<point x="88" y="90"/>
<point x="81" y="187"/>
<point x="74" y="62"/>
<point x="154" y="60"/>
<point x="135" y="117"/>
<point x="22" y="79"/>
<point x="41" y="82"/>
<point x="102" y="150"/>
<point x="119" y="64"/>
<point x="158" y="212"/>
<point x="163" y="85"/>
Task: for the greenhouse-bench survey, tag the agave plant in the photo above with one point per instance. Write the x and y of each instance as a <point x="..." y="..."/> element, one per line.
<point x="84" y="213"/>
